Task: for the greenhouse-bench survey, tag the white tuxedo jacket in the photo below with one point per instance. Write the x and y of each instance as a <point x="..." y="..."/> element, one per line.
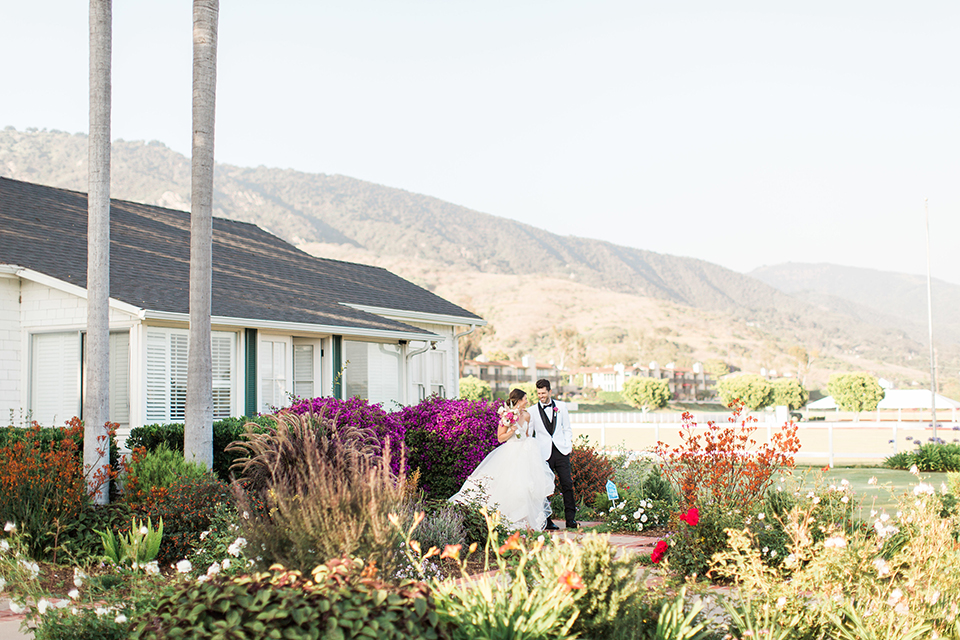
<point x="562" y="435"/>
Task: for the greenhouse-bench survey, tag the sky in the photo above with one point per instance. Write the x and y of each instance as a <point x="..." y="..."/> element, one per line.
<point x="741" y="133"/>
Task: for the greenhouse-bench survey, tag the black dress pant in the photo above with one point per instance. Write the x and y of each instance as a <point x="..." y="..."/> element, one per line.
<point x="560" y="464"/>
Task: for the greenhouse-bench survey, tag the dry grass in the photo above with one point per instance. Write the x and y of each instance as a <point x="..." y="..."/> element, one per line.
<point x="319" y="493"/>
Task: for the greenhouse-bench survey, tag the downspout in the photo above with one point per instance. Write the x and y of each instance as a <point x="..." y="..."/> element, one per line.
<point x="427" y="345"/>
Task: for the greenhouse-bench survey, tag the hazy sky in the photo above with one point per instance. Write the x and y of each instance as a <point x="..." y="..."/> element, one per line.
<point x="757" y="133"/>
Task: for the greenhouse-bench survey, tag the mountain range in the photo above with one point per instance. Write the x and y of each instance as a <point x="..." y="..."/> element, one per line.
<point x="535" y="287"/>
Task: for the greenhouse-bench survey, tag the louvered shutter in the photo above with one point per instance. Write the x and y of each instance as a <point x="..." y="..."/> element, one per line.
<point x="222" y="352"/>
<point x="303" y="370"/>
<point x="158" y="376"/>
<point x="55" y="383"/>
<point x="120" y="378"/>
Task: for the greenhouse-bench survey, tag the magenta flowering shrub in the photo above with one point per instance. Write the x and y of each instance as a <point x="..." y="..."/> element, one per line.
<point x="361" y="414"/>
<point x="446" y="440"/>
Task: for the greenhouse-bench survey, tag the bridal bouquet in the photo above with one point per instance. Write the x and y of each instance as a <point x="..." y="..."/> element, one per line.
<point x="508" y="417"/>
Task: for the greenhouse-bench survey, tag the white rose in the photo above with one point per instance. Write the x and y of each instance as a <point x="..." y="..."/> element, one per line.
<point x="120" y="619"/>
<point x="42" y="606"/>
<point x="9" y="527"/>
<point x="184" y="566"/>
<point x="74" y="594"/>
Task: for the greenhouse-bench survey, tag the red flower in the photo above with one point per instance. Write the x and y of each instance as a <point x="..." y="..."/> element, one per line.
<point x="691" y="517"/>
<point x="659" y="551"/>
<point x="571" y="580"/>
<point x="513" y="542"/>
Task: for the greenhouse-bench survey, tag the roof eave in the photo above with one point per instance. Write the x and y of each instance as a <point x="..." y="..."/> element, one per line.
<point x="279" y="325"/>
<point x="406" y="315"/>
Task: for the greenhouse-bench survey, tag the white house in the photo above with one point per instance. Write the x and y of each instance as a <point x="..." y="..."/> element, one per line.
<point x="284" y="322"/>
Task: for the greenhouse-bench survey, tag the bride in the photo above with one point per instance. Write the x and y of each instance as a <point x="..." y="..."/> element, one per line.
<point x="513" y="478"/>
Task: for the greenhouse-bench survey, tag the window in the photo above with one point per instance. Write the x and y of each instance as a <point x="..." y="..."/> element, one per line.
<point x="373" y="371"/>
<point x="167" y="374"/>
<point x="274" y="375"/>
<point x="55" y="377"/>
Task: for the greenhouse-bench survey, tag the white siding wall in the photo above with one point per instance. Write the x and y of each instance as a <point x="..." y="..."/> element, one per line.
<point x="11" y="349"/>
<point x="446" y="350"/>
<point x="45" y="308"/>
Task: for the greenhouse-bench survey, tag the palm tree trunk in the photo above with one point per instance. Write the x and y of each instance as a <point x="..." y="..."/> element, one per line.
<point x="198" y="423"/>
<point x="96" y="406"/>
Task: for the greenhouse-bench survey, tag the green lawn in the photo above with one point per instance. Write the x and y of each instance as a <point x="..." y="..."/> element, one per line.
<point x="890" y="483"/>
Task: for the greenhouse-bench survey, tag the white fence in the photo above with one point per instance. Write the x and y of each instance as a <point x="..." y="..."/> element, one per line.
<point x="821" y="443"/>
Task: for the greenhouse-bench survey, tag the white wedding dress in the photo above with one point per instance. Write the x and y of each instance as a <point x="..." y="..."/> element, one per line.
<point x="513" y="479"/>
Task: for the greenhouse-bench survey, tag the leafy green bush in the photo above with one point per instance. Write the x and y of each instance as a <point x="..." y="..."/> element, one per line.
<point x="225" y="431"/>
<point x="473" y="388"/>
<point x="930" y="456"/>
<point x="610" y="589"/>
<point x="161" y="467"/>
<point x="342" y="601"/>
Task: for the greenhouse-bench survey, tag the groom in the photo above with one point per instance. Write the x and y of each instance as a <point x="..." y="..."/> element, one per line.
<point x="551" y="427"/>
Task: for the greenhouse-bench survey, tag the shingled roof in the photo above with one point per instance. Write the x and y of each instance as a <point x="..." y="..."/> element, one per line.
<point x="256" y="275"/>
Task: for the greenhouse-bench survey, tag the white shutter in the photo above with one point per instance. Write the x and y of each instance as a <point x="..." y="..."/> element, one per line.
<point x="437" y="371"/>
<point x="303" y="370"/>
<point x="120" y="378"/>
<point x="355" y="376"/>
<point x="55" y="380"/>
<point x="222" y="351"/>
<point x="167" y="353"/>
<point x="158" y="376"/>
<point x="179" y="352"/>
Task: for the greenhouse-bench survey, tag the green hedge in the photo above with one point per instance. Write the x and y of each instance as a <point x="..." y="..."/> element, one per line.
<point x="225" y="431"/>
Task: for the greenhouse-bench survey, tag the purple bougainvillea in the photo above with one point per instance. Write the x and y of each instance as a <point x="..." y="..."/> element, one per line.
<point x="446" y="440"/>
<point x="360" y="413"/>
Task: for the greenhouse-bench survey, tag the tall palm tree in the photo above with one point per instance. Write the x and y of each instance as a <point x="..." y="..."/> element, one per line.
<point x="198" y="422"/>
<point x="96" y="444"/>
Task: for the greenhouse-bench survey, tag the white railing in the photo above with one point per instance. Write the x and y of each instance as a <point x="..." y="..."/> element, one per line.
<point x="822" y="443"/>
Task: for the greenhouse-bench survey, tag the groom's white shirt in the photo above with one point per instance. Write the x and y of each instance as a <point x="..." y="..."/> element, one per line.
<point x="562" y="435"/>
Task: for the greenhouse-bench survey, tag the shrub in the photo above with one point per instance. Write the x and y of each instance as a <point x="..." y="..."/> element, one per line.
<point x="473" y="388"/>
<point x="158" y="468"/>
<point x="325" y="493"/>
<point x="77" y="537"/>
<point x="632" y="512"/>
<point x="719" y="465"/>
<point x="610" y="589"/>
<point x="867" y="583"/>
<point x="446" y="440"/>
<point x="360" y="414"/>
<point x="221" y="544"/>
<point x="187" y="507"/>
<point x="42" y="485"/>
<point x="224" y="432"/>
<point x="590" y="469"/>
<point x="343" y="600"/>
<point x="531" y="596"/>
<point x="721" y="483"/>
<point x="930" y="456"/>
<point x="855" y="391"/>
<point x="753" y="391"/>
<point x="789" y="393"/>
<point x="646" y="393"/>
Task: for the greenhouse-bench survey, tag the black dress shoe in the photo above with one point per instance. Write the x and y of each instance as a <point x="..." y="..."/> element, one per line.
<point x="551" y="527"/>
<point x="573" y="525"/>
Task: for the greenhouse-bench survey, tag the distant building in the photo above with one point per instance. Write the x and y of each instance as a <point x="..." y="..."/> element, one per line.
<point x="504" y="374"/>
<point x="686" y="385"/>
